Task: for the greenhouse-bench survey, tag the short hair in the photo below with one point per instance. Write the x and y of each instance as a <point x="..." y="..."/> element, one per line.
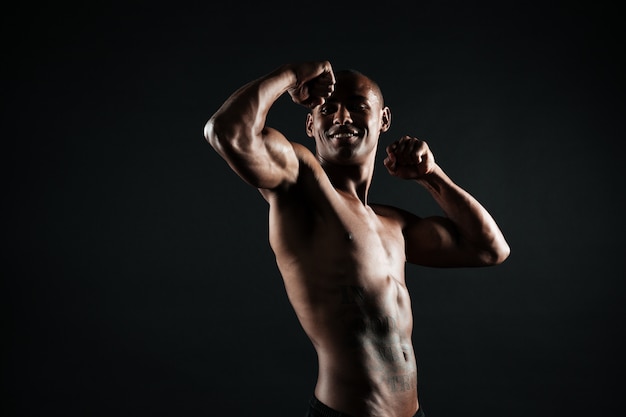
<point x="354" y="72"/>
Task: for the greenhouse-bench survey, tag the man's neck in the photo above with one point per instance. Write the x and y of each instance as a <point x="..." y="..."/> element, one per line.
<point x="354" y="180"/>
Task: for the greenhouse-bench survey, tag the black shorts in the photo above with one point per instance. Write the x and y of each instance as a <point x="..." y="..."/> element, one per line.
<point x="319" y="409"/>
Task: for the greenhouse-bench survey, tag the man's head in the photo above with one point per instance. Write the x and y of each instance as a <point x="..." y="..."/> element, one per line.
<point x="347" y="126"/>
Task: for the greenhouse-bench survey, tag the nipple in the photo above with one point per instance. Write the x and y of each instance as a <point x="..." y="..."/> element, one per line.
<point x="349" y="236"/>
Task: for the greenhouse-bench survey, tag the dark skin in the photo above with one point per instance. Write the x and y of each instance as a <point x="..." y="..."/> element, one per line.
<point x="343" y="259"/>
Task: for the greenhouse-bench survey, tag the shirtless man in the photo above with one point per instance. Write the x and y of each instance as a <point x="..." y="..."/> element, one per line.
<point x="342" y="259"/>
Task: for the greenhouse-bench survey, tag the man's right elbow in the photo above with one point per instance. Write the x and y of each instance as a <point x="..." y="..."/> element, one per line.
<point x="219" y="138"/>
<point x="227" y="139"/>
<point x="210" y="133"/>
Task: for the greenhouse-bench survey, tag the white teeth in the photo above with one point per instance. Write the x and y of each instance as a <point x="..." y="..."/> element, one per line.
<point x="343" y="135"/>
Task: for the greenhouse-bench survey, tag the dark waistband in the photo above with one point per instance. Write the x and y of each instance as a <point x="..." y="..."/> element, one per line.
<point x="322" y="410"/>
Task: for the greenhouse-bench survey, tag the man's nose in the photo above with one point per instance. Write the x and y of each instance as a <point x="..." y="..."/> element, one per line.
<point x="342" y="116"/>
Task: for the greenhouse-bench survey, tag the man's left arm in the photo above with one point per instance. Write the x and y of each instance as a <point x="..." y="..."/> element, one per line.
<point x="466" y="236"/>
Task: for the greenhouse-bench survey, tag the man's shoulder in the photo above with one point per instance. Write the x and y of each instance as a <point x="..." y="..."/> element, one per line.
<point x="307" y="160"/>
<point x="311" y="181"/>
<point x="302" y="151"/>
<point x="385" y="209"/>
<point x="393" y="213"/>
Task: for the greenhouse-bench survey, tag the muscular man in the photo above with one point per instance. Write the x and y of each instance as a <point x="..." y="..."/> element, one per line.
<point x="343" y="259"/>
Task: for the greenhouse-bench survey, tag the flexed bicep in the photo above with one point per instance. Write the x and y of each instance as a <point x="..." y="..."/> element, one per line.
<point x="262" y="156"/>
<point x="436" y="242"/>
<point x="264" y="159"/>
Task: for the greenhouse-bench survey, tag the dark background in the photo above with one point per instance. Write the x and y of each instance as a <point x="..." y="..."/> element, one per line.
<point x="138" y="279"/>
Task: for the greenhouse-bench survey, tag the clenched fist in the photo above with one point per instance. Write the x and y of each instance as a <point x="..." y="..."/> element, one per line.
<point x="409" y="158"/>
<point x="315" y="83"/>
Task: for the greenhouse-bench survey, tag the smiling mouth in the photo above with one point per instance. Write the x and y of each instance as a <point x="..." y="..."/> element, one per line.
<point x="344" y="136"/>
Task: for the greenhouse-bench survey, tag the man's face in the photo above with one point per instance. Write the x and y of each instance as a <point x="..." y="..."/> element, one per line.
<point x="346" y="128"/>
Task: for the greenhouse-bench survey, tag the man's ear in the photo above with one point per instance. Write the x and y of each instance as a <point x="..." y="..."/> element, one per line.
<point x="386" y="119"/>
<point x="309" y="125"/>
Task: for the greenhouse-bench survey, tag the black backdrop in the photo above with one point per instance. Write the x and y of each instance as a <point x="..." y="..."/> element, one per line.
<point x="138" y="280"/>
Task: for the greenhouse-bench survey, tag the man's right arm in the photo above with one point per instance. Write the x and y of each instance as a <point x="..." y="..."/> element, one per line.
<point x="260" y="155"/>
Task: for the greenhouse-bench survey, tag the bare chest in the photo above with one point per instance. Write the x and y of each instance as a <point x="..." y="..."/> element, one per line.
<point x="360" y="236"/>
<point x="347" y="240"/>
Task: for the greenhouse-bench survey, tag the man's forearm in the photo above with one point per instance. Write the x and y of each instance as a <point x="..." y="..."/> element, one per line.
<point x="474" y="225"/>
<point x="243" y="115"/>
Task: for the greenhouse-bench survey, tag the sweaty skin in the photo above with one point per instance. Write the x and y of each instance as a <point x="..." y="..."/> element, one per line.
<point x="342" y="259"/>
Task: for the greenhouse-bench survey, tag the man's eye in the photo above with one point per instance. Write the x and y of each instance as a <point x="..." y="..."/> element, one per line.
<point x="359" y="107"/>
